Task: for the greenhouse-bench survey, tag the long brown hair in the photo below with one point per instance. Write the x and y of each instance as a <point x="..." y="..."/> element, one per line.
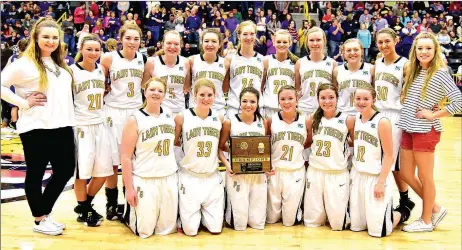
<point x="257" y="94"/>
<point x="220" y="40"/>
<point x="319" y="113"/>
<point x="33" y="51"/>
<point x="414" y="68"/>
<point x="91" y="37"/>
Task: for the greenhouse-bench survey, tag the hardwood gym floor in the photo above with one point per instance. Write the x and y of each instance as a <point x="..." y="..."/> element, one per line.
<point x="16" y="222"/>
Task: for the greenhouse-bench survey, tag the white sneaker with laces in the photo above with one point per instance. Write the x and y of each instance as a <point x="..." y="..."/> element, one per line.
<point x="57" y="224"/>
<point x="418" y="226"/>
<point x="438" y="217"/>
<point x="47" y="227"/>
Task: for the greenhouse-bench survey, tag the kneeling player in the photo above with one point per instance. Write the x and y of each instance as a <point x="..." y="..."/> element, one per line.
<point x="149" y="167"/>
<point x="371" y="180"/>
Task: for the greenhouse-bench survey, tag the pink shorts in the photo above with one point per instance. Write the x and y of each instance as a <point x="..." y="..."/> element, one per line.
<point x="422" y="142"/>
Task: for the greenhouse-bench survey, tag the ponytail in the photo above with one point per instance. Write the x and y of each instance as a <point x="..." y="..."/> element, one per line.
<point x="318" y="114"/>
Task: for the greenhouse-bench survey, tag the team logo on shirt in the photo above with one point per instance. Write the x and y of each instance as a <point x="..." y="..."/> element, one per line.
<point x="397" y="68"/>
<point x="328" y="63"/>
<point x="300" y="125"/>
<point x="340" y="121"/>
<point x="373" y="125"/>
<point x="100" y="72"/>
<point x="260" y="125"/>
<point x="181" y="68"/>
<point x="215" y="119"/>
<point x="140" y="62"/>
<point x="258" y="59"/>
<point x="365" y="73"/>
<point x="167" y="115"/>
<point x="221" y="65"/>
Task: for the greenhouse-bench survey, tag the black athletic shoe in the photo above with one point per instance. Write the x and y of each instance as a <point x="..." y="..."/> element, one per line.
<point x="79" y="210"/>
<point x="90" y="218"/>
<point x="405" y="208"/>
<point x="111" y="212"/>
<point x="120" y="212"/>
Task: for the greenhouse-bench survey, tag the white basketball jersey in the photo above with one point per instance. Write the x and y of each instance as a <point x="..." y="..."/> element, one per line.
<point x="278" y="74"/>
<point x="388" y="83"/>
<point x="154" y="155"/>
<point x="348" y="82"/>
<point x="240" y="128"/>
<point x="88" y="94"/>
<point x="329" y="150"/>
<point x="200" y="142"/>
<point x="214" y="72"/>
<point x="126" y="77"/>
<point x="244" y="72"/>
<point x="287" y="142"/>
<point x="368" y="152"/>
<point x="175" y="77"/>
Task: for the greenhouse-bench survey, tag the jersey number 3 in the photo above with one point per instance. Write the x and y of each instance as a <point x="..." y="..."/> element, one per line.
<point x="205" y="148"/>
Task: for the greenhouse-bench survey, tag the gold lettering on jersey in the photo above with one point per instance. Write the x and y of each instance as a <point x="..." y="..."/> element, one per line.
<point x="154" y="131"/>
<point x="120" y="74"/>
<point x="387" y="77"/>
<point x="353" y="83"/>
<point x="239" y="70"/>
<point x="281" y="71"/>
<point x="136" y="73"/>
<point x="82" y="86"/>
<point x="176" y="79"/>
<point x="317" y="73"/>
<point x="98" y="84"/>
<point x="294" y="136"/>
<point x="248" y="69"/>
<point x="329" y="131"/>
<point x="210" y="75"/>
<point x="277" y="137"/>
<point x="364" y="136"/>
<point x="205" y="131"/>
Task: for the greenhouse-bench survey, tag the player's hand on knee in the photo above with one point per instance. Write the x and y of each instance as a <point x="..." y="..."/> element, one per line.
<point x="36" y="99"/>
<point x="132" y="197"/>
<point x="379" y="190"/>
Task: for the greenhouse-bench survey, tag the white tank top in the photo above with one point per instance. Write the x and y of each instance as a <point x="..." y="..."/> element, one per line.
<point x="154" y="155"/>
<point x="329" y="150"/>
<point x="126" y="77"/>
<point x="175" y="77"/>
<point x="287" y="142"/>
<point x="88" y="91"/>
<point x="278" y="74"/>
<point x="240" y="128"/>
<point x="367" y="146"/>
<point x="388" y="83"/>
<point x="244" y="72"/>
<point x="312" y="75"/>
<point x="348" y="82"/>
<point x="215" y="72"/>
<point x="200" y="142"/>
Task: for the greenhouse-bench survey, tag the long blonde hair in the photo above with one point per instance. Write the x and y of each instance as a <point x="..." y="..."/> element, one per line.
<point x="293" y="58"/>
<point x="414" y="67"/>
<point x="33" y="51"/>
<point x="146" y="86"/>
<point x="241" y="27"/>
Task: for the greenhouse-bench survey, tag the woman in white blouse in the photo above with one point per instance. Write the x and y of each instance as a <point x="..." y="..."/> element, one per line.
<point x="43" y="84"/>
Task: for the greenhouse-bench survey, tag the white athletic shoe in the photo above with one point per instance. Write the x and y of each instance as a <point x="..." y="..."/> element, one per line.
<point x="57" y="224"/>
<point x="418" y="226"/>
<point x="47" y="227"/>
<point x="438" y="217"/>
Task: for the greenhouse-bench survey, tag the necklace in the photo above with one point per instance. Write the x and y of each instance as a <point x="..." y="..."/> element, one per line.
<point x="57" y="72"/>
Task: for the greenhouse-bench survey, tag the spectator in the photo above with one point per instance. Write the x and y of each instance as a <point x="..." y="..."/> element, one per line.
<point x="91" y="19"/>
<point x="106" y="19"/>
<point x="219" y="25"/>
<point x="68" y="27"/>
<point x="390" y="19"/>
<point x="143" y="50"/>
<point x="450" y="25"/>
<point x="238" y="15"/>
<point x="95" y="8"/>
<point x="365" y="37"/>
<point x="271" y="50"/>
<point x="445" y="41"/>
<point x="203" y="11"/>
<point x="383" y="11"/>
<point x="454" y="9"/>
<point x="251" y="16"/>
<point x="170" y="24"/>
<point x="130" y="19"/>
<point x="230" y="50"/>
<point x="435" y="26"/>
<point x="111" y="44"/>
<point x="273" y="25"/>
<point x="151" y="51"/>
<point x="261" y="24"/>
<point x="231" y="23"/>
<point x="98" y="26"/>
<point x="416" y="20"/>
<point x="149" y="41"/>
<point x="335" y="37"/>
<point x="260" y="47"/>
<point x="114" y="25"/>
<point x="79" y="16"/>
<point x="340" y="17"/>
<point x="27" y="23"/>
<point x="192" y="24"/>
<point x="348" y="27"/>
<point x="398" y="24"/>
<point x="399" y="11"/>
<point x="438" y="8"/>
<point x="302" y="34"/>
<point x="269" y="15"/>
<point x="423" y="26"/>
<point x="362" y="18"/>
<point x="187" y="51"/>
<point x="380" y="23"/>
<point x="285" y="24"/>
<point x="81" y="34"/>
<point x="67" y="58"/>
<point x="50" y="12"/>
<point x="218" y="16"/>
<point x="293" y="32"/>
<point x="155" y="19"/>
<point x="407" y="37"/>
<point x="123" y="6"/>
<point x="327" y="17"/>
<point x="102" y="35"/>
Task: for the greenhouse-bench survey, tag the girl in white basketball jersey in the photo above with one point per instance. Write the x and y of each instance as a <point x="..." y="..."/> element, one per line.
<point x="247" y="193"/>
<point x="371" y="180"/>
<point x="200" y="184"/>
<point x="313" y="70"/>
<point x="149" y="167"/>
<point x="279" y="71"/>
<point x="327" y="179"/>
<point x="91" y="134"/>
<point x="125" y="68"/>
<point x="389" y="80"/>
<point x="351" y="75"/>
<point x="210" y="65"/>
<point x="288" y="130"/>
<point x="246" y="68"/>
<point x="174" y="69"/>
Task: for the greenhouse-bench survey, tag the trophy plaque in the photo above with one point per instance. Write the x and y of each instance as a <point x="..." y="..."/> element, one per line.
<point x="250" y="154"/>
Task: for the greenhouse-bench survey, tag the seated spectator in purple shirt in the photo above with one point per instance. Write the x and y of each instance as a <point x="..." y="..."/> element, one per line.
<point x="192" y="24"/>
<point x="231" y="24"/>
<point x="217" y="23"/>
<point x="286" y="22"/>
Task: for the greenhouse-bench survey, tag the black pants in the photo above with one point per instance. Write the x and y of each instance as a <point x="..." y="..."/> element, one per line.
<point x="40" y="147"/>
